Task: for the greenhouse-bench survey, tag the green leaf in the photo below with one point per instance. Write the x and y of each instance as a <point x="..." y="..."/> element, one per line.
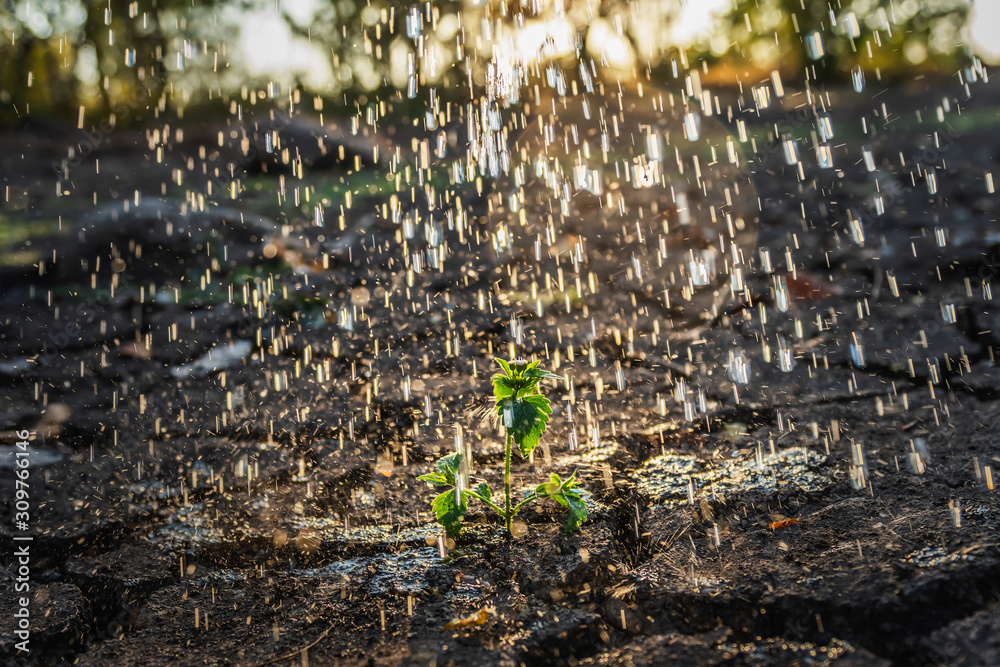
<point x="567" y="493"/>
<point x="436" y="478"/>
<point x="504" y="365"/>
<point x="538" y="373"/>
<point x="519" y="379"/>
<point x="503" y="387"/>
<point x="550" y="489"/>
<point x="448" y="466"/>
<point x="524" y="367"/>
<point x="535" y="412"/>
<point x="449" y="513"/>
<point x="483" y="490"/>
<point x="528" y="417"/>
<point x="577" y="510"/>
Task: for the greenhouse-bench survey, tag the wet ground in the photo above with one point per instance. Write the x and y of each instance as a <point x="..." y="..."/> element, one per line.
<point x="230" y="407"/>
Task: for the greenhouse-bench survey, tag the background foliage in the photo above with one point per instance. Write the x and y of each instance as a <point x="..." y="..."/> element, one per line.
<point x="59" y="55"/>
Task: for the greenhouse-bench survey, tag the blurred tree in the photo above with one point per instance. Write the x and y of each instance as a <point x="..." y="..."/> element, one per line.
<point x="109" y="56"/>
<point x="821" y="39"/>
<point x="136" y="57"/>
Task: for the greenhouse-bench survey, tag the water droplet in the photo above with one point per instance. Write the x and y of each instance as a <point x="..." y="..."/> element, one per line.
<point x="825" y="126"/>
<point x="736" y="282"/>
<point x="869" y="159"/>
<point x="932" y="186"/>
<point x="701" y="267"/>
<point x="683" y="212"/>
<point x="948" y="313"/>
<point x="879" y="203"/>
<point x="781" y="296"/>
<point x="692" y="125"/>
<point x="765" y="260"/>
<point x="586" y="78"/>
<point x="786" y="356"/>
<point x="857" y="229"/>
<point x="762" y="95"/>
<point x="414" y="23"/>
<point x="857" y="350"/>
<point x="814" y="45"/>
<point x="345" y="318"/>
<point x="741" y="130"/>
<point x="858" y="79"/>
<point x="851" y="27"/>
<point x="779" y="88"/>
<point x="654" y="145"/>
<point x="858" y="470"/>
<point x="791" y="150"/>
<point x="824" y="156"/>
<point x="738" y="368"/>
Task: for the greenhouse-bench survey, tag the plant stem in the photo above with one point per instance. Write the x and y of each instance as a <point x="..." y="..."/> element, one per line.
<point x="528" y="499"/>
<point x="493" y="506"/>
<point x="507" y="515"/>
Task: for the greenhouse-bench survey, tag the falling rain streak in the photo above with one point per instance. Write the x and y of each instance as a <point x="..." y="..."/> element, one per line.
<point x="248" y="309"/>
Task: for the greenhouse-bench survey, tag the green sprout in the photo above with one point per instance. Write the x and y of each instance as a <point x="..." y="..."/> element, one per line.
<point x="524" y="413"/>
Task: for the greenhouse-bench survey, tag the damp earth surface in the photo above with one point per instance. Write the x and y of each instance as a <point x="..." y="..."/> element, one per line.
<point x="771" y="306"/>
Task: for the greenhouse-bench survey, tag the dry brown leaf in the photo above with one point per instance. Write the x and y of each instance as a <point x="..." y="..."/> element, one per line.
<point x="477" y="618"/>
<point x="808" y="286"/>
<point x="135" y="350"/>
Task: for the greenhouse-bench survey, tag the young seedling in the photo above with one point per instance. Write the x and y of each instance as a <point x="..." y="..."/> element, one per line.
<point x="524" y="413"/>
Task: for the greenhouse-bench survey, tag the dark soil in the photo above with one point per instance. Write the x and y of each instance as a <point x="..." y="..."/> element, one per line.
<point x="262" y="507"/>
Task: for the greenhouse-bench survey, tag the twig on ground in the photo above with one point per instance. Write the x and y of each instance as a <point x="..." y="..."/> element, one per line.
<point x="298" y="651"/>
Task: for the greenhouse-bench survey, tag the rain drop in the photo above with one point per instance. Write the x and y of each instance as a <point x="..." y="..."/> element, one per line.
<point x="738" y="368"/>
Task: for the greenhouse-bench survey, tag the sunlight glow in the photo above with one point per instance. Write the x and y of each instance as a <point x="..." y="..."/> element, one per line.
<point x="269" y="47"/>
<point x="984" y="21"/>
